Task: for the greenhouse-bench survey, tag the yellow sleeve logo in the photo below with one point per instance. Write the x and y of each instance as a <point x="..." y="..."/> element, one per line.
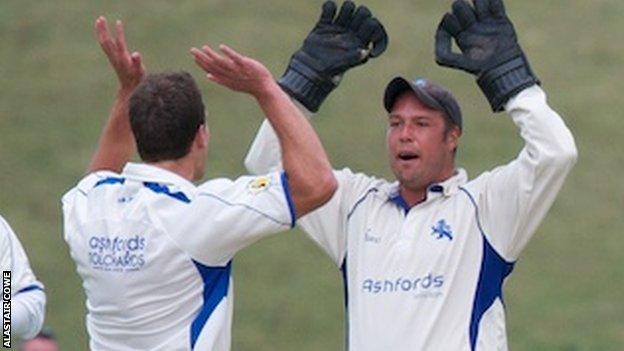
<point x="259" y="184"/>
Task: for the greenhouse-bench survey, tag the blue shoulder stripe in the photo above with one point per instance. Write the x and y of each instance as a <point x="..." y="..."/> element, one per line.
<point x="163" y="189"/>
<point x="109" y="180"/>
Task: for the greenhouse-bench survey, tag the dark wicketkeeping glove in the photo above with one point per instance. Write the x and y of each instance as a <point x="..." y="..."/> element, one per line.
<point x="489" y="49"/>
<point x="333" y="46"/>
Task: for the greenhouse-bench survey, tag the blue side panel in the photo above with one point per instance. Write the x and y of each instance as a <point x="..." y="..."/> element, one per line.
<point x="29" y="288"/>
<point x="109" y="180"/>
<point x="216" y="285"/>
<point x="494" y="269"/>
<point x="163" y="189"/>
<point x="291" y="204"/>
<point x="343" y="270"/>
<point x="345" y="282"/>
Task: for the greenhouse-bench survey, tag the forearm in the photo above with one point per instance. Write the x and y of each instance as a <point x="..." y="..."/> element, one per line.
<point x="303" y="157"/>
<point x="27" y="313"/>
<point x="116" y="144"/>
<point x="519" y="195"/>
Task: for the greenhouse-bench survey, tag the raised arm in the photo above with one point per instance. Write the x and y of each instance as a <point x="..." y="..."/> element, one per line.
<point x="311" y="180"/>
<point x="116" y="144"/>
<point x="337" y="43"/>
<point x="515" y="198"/>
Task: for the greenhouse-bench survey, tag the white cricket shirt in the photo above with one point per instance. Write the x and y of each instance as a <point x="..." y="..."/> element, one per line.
<point x="154" y="253"/>
<point x="430" y="277"/>
<point x="27" y="293"/>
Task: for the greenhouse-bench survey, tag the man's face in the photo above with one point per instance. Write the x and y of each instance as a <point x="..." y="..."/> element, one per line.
<point x="419" y="148"/>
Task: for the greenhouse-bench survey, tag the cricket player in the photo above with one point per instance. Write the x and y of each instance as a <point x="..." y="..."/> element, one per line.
<point x="424" y="258"/>
<point x="154" y="250"/>
<point x="27" y="296"/>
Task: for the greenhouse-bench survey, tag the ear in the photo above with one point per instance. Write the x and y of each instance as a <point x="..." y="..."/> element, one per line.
<point x="202" y="137"/>
<point x="452" y="138"/>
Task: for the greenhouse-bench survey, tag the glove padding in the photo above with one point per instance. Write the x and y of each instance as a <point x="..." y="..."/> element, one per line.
<point x="333" y="46"/>
<point x="489" y="49"/>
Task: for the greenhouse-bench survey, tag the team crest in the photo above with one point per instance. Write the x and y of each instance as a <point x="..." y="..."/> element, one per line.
<point x="442" y="230"/>
<point x="259" y="184"/>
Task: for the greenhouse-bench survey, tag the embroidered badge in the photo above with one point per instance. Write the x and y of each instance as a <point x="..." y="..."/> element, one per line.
<point x="442" y="230"/>
<point x="259" y="184"/>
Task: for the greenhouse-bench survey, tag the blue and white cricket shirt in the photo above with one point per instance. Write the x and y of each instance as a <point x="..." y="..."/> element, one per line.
<point x="430" y="277"/>
<point x="27" y="295"/>
<point x="155" y="252"/>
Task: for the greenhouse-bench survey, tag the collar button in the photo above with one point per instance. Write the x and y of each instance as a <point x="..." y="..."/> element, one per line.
<point x="436" y="188"/>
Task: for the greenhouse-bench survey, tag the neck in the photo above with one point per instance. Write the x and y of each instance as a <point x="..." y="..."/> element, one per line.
<point x="182" y="167"/>
<point x="414" y="196"/>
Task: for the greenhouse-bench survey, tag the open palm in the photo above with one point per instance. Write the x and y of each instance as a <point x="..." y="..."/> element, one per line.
<point x="233" y="70"/>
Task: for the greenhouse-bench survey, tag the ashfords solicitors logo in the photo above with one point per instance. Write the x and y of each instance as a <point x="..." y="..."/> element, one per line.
<point x="429" y="285"/>
<point x="118" y="254"/>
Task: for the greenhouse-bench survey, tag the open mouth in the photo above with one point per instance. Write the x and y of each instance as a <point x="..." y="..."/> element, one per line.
<point x="407" y="156"/>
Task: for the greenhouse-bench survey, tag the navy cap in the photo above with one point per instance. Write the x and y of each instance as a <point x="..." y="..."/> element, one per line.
<point x="431" y="94"/>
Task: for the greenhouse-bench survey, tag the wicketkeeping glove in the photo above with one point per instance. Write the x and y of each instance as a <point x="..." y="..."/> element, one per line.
<point x="489" y="49"/>
<point x="333" y="46"/>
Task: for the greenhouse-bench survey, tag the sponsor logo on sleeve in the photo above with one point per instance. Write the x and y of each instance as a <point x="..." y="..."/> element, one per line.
<point x="118" y="253"/>
<point x="259" y="184"/>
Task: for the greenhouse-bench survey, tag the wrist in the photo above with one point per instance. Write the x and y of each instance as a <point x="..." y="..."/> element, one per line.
<point x="306" y="86"/>
<point x="124" y="92"/>
<point x="269" y="90"/>
<point x="504" y="81"/>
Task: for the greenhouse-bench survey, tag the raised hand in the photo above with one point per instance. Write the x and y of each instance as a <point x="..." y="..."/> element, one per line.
<point x="335" y="44"/>
<point x="489" y="49"/>
<point x="117" y="142"/>
<point x="233" y="70"/>
<point x="338" y="43"/>
<point x="128" y="66"/>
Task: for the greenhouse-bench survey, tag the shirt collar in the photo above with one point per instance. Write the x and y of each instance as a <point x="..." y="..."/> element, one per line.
<point x="149" y="173"/>
<point x="446" y="188"/>
<point x="452" y="184"/>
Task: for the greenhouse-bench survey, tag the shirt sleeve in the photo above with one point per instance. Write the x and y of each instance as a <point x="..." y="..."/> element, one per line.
<point x="327" y="225"/>
<point x="27" y="313"/>
<point x="226" y="216"/>
<point x="27" y="294"/>
<point x="83" y="187"/>
<point x="264" y="155"/>
<point x="516" y="197"/>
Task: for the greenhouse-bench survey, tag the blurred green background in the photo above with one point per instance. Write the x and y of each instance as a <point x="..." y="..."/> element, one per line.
<point x="567" y="290"/>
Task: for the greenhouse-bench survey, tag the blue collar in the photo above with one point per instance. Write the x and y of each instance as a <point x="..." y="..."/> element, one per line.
<point x="400" y="201"/>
